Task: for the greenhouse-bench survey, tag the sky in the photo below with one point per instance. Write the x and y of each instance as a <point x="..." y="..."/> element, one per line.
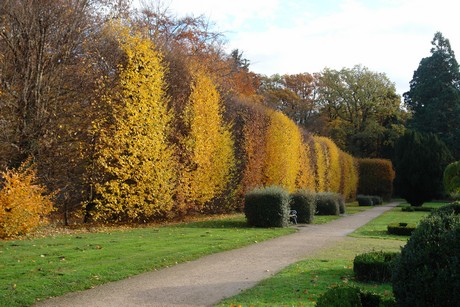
<point x="297" y="36"/>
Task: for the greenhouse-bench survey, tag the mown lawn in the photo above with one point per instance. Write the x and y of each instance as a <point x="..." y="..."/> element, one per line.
<point x="40" y="268"/>
<point x="377" y="228"/>
<point x="302" y="283"/>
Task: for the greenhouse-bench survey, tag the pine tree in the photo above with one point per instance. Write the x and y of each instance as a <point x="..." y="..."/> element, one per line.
<point x="434" y="95"/>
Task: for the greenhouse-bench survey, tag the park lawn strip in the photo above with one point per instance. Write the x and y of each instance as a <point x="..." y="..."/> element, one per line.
<point x="35" y="269"/>
<point x="377" y="228"/>
<point x="301" y="284"/>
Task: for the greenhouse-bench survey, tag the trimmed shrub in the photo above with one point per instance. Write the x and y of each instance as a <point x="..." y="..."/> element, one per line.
<point x="304" y="203"/>
<point x="451" y="179"/>
<point x="364" y="200"/>
<point x="374" y="266"/>
<point x="349" y="296"/>
<point x="418" y="209"/>
<point x="452" y="208"/>
<point x="327" y="203"/>
<point x="376" y="177"/>
<point x="267" y="207"/>
<point x="401" y="229"/>
<point x="376" y="200"/>
<point x="342" y="207"/>
<point x="428" y="272"/>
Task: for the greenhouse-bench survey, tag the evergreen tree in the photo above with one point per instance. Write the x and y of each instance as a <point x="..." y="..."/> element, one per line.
<point x="434" y="95"/>
<point x="420" y="160"/>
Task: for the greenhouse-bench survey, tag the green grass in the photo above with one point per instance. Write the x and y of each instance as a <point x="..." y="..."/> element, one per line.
<point x="377" y="228"/>
<point x="302" y="283"/>
<point x="40" y="268"/>
<point x="351" y="208"/>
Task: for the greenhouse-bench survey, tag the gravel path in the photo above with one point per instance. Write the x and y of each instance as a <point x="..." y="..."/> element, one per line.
<point x="208" y="280"/>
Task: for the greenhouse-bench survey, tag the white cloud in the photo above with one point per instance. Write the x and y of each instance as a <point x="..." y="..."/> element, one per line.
<point x="292" y="36"/>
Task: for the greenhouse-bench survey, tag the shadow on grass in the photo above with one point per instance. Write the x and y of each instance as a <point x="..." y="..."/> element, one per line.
<point x="237" y="222"/>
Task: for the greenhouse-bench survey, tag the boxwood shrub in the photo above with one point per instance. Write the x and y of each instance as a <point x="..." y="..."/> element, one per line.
<point x="376" y="200"/>
<point x="374" y="266"/>
<point x="342" y="206"/>
<point x="428" y="272"/>
<point x="364" y="200"/>
<point x="267" y="207"/>
<point x="419" y="209"/>
<point x="304" y="203"/>
<point x="401" y="229"/>
<point x="327" y="203"/>
<point x="349" y="296"/>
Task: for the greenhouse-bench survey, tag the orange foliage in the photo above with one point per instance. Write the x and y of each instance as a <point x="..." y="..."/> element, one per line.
<point x="23" y="203"/>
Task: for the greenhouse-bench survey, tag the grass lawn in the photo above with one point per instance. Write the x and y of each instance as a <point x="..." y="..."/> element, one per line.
<point x="377" y="228"/>
<point x="302" y="283"/>
<point x="34" y="269"/>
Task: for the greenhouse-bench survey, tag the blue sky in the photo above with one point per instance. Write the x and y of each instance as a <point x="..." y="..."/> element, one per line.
<point x="295" y="36"/>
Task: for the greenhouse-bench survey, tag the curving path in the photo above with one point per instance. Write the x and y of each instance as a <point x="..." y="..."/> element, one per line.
<point x="208" y="280"/>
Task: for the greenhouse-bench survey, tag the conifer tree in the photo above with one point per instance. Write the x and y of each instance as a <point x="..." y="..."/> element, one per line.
<point x="434" y="95"/>
<point x="420" y="160"/>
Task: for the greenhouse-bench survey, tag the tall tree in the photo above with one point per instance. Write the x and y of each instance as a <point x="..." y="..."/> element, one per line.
<point x="420" y="160"/>
<point x="133" y="171"/>
<point x="434" y="95"/>
<point x="362" y="110"/>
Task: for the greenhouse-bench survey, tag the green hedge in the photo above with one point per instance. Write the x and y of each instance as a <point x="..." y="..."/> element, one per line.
<point x="419" y="209"/>
<point x="349" y="296"/>
<point x="267" y="207"/>
<point x="374" y="266"/>
<point x="428" y="272"/>
<point x="364" y="200"/>
<point x="376" y="177"/>
<point x="327" y="203"/>
<point x="304" y="203"/>
<point x="401" y="229"/>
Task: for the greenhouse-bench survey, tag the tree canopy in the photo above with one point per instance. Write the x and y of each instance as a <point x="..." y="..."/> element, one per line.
<point x="434" y="95"/>
<point x="361" y="109"/>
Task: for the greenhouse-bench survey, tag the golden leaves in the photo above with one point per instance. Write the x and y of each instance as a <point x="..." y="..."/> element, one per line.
<point x="23" y="202"/>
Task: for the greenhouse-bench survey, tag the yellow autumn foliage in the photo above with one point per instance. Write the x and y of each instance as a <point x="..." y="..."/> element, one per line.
<point x="23" y="203"/>
<point x="134" y="165"/>
<point x="306" y="176"/>
<point x="209" y="158"/>
<point x="283" y="147"/>
<point x="333" y="167"/>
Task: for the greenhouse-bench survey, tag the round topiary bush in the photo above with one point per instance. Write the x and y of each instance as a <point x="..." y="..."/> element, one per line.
<point x="327" y="203"/>
<point x="304" y="203"/>
<point x="428" y="272"/>
<point x="267" y="207"/>
<point x="374" y="266"/>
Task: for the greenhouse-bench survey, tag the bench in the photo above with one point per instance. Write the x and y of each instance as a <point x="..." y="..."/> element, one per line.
<point x="293" y="216"/>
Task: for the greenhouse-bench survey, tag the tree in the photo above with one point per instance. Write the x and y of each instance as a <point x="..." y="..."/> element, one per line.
<point x="294" y="95"/>
<point x="133" y="172"/>
<point x="434" y="95"/>
<point x="206" y="148"/>
<point x="362" y="110"/>
<point x="420" y="160"/>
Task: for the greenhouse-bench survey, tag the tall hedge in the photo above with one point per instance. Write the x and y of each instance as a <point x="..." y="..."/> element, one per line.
<point x="376" y="177"/>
